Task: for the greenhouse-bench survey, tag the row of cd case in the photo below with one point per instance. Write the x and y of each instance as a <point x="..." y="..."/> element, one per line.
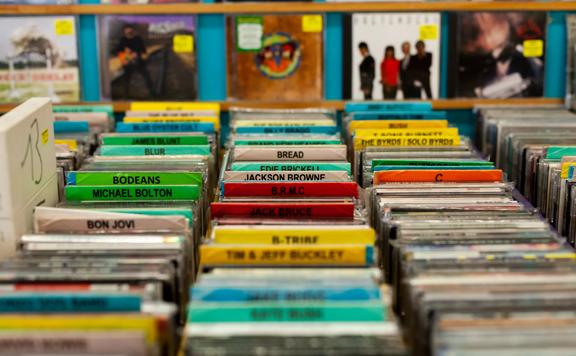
<point x="115" y="258"/>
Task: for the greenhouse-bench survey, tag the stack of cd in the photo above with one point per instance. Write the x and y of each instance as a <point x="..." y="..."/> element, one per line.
<point x="76" y="130"/>
<point x="114" y="261"/>
<point x="461" y="248"/>
<point x="286" y="199"/>
<point x="537" y="148"/>
<point x="418" y="146"/>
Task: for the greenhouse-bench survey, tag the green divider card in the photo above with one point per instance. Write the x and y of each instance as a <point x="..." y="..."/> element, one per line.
<point x="108" y="109"/>
<point x="138" y="150"/>
<point x="249" y="33"/>
<point x="153" y="140"/>
<point x="557" y="152"/>
<point x="290" y="166"/>
<point x="134" y="178"/>
<point x="287" y="312"/>
<point x="429" y="162"/>
<point x="131" y="192"/>
<point x="256" y="142"/>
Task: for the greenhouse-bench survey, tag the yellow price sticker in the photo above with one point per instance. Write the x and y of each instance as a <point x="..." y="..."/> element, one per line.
<point x="428" y="32"/>
<point x="45" y="137"/>
<point x="533" y="48"/>
<point x="312" y="23"/>
<point x="64" y="27"/>
<point x="183" y="43"/>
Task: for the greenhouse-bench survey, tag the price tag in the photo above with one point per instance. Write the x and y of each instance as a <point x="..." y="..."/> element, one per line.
<point x="533" y="48"/>
<point x="183" y="44"/>
<point x="64" y="27"/>
<point x="249" y="32"/>
<point x="312" y="23"/>
<point x="428" y="32"/>
<point x="45" y="137"/>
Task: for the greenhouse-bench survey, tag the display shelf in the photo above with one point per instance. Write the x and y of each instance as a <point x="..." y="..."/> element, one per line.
<point x="287" y="7"/>
<point x="441" y="104"/>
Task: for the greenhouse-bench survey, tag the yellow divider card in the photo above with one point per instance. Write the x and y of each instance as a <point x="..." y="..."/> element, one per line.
<point x="146" y="323"/>
<point x="408" y="137"/>
<point x="294" y="255"/>
<point x="293" y="235"/>
<point x="396" y="124"/>
<point x="174" y="106"/>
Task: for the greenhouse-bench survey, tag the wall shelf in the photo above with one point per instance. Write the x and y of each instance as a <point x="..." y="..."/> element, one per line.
<point x="441" y="104"/>
<point x="287" y="7"/>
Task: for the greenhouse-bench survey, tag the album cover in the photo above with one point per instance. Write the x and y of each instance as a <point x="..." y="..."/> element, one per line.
<point x="275" y="57"/>
<point x="497" y="54"/>
<point x="39" y="57"/>
<point x="148" y="57"/>
<point x="570" y="50"/>
<point x="392" y="56"/>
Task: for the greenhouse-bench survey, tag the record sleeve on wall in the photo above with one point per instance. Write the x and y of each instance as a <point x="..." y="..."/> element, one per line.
<point x="148" y="57"/>
<point x="392" y="56"/>
<point x="39" y="57"/>
<point x="497" y="54"/>
<point x="275" y="57"/>
<point x="570" y="54"/>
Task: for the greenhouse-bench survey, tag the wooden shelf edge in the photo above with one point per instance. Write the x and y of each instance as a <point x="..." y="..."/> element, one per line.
<point x="440" y="104"/>
<point x="287" y="7"/>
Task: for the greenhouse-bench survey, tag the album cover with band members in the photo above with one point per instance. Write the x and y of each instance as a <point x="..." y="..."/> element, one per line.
<point x="392" y="56"/>
<point x="148" y="57"/>
<point x="275" y="57"/>
<point x="497" y="54"/>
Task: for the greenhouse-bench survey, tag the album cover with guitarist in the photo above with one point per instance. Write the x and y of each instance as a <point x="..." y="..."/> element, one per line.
<point x="275" y="57"/>
<point x="148" y="57"/>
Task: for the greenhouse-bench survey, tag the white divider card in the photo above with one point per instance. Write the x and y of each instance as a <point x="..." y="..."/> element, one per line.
<point x="27" y="169"/>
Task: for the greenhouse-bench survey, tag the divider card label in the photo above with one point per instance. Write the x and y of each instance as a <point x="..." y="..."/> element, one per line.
<point x="108" y="222"/>
<point x="360" y="142"/>
<point x="326" y="130"/>
<point x="132" y="193"/>
<point x="396" y="124"/>
<point x="42" y="303"/>
<point x="301" y="176"/>
<point x="134" y="178"/>
<point x="162" y="119"/>
<point x="557" y="152"/>
<point x="291" y="166"/>
<point x="429" y="163"/>
<point x="291" y="153"/>
<point x="399" y="115"/>
<point x="281" y="142"/>
<point x="202" y="312"/>
<point x="153" y="140"/>
<point x="204" y="127"/>
<point x="425" y="132"/>
<point x="423" y="176"/>
<point x="108" y="109"/>
<point x="283" y="210"/>
<point x="142" y="150"/>
<point x="289" y="189"/>
<point x="282" y="293"/>
<point x="290" y="123"/>
<point x="61" y="127"/>
<point x="293" y="235"/>
<point x="388" y="106"/>
<point x="126" y="321"/>
<point x="174" y="106"/>
<point x="281" y="255"/>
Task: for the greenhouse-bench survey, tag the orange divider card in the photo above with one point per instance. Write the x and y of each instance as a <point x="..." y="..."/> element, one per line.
<point x="452" y="176"/>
